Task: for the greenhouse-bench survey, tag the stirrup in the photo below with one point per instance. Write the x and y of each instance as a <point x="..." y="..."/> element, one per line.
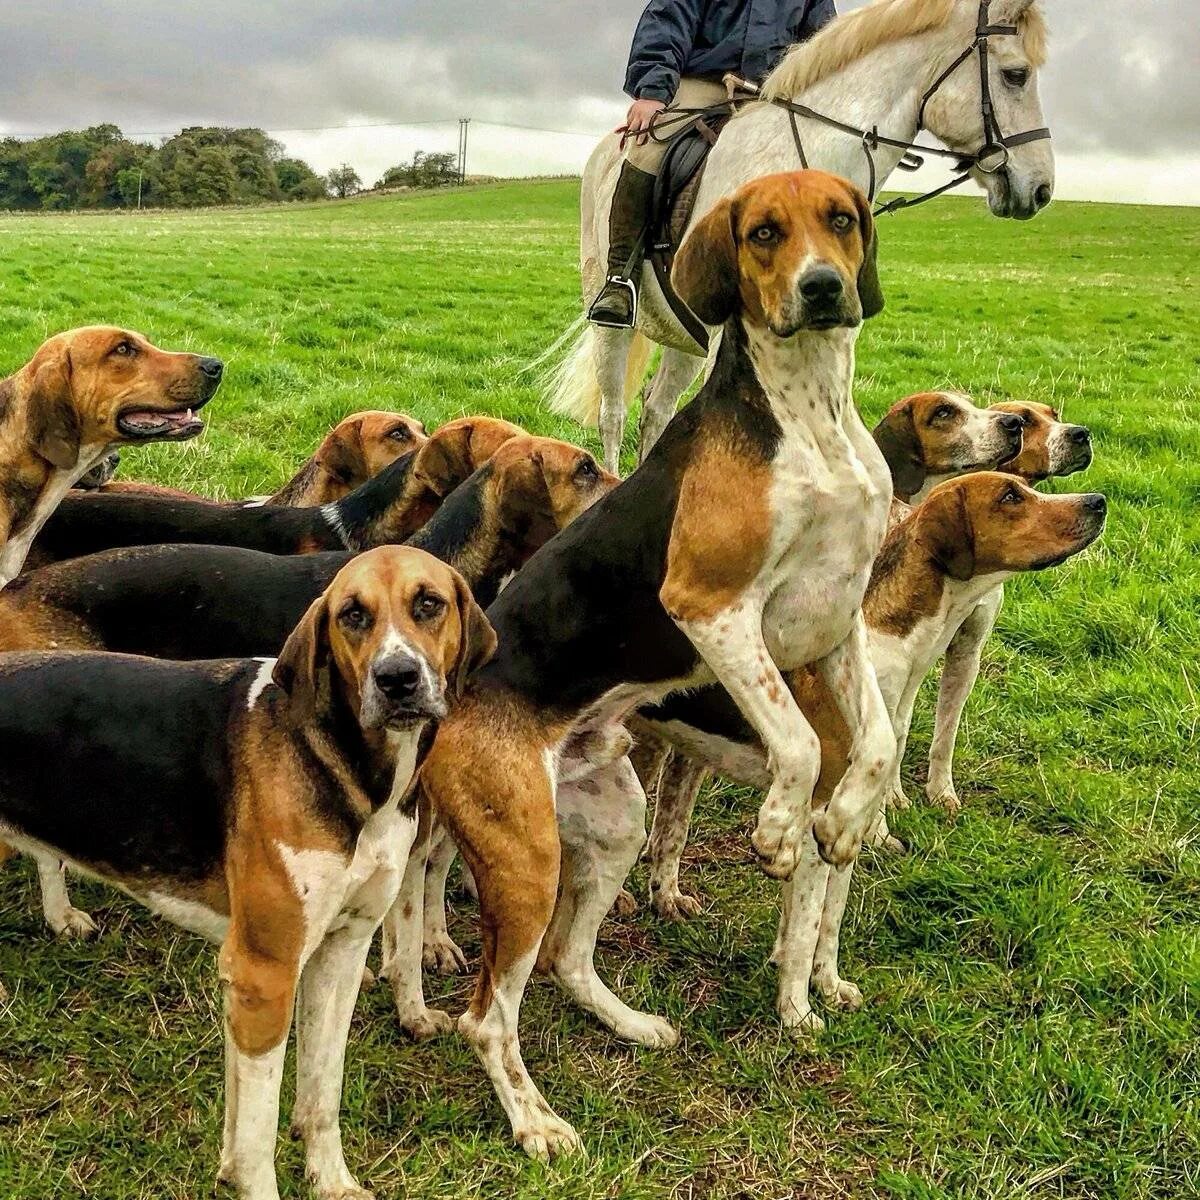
<point x="620" y="282"/>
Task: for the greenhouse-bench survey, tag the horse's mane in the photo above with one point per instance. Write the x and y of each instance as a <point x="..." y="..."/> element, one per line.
<point x="847" y="38"/>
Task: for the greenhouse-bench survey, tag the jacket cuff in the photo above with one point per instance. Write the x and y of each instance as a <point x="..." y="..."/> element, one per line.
<point x="654" y="92"/>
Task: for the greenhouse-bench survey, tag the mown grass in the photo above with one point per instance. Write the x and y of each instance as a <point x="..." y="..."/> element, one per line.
<point x="1031" y="968"/>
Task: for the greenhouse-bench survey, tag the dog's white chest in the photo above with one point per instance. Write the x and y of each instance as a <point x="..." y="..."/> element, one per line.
<point x="829" y="497"/>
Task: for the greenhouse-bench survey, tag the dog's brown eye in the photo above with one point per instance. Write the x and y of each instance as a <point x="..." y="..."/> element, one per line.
<point x="355" y="617"/>
<point x="1016" y="76"/>
<point x="427" y="606"/>
<point x="1011" y="496"/>
<point x="943" y="412"/>
<point x="124" y="349"/>
<point x="400" y="434"/>
<point x="841" y="221"/>
<point x="587" y="471"/>
<point x="764" y="234"/>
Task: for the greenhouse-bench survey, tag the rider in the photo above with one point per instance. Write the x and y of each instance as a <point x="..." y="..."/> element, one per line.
<point x="681" y="49"/>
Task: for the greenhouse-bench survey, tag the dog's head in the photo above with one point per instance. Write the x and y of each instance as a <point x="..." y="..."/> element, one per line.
<point x="789" y="252"/>
<point x="944" y="433"/>
<point x="458" y="449"/>
<point x="362" y="444"/>
<point x="102" y="385"/>
<point x="393" y="639"/>
<point x="540" y="485"/>
<point x="992" y="522"/>
<point x="1048" y="446"/>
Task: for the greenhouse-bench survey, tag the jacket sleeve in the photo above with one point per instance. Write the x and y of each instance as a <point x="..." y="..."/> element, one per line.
<point x="820" y="12"/>
<point x="662" y="42"/>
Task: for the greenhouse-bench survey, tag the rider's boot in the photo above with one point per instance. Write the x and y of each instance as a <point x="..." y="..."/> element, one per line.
<point x="616" y="305"/>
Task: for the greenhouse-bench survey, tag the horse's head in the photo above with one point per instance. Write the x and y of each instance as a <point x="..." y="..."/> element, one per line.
<point x="1019" y="179"/>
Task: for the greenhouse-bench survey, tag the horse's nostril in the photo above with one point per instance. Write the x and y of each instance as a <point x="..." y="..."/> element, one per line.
<point x="1041" y="197"/>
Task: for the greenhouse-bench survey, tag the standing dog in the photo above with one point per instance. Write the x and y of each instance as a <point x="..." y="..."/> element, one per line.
<point x="265" y="805"/>
<point x="739" y="549"/>
<point x="81" y="393"/>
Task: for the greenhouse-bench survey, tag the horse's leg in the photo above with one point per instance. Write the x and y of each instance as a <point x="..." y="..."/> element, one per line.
<point x="676" y="370"/>
<point x="612" y="347"/>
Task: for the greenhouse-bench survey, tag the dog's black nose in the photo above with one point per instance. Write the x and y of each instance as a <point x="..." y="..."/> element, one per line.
<point x="1079" y="434"/>
<point x="212" y="367"/>
<point x="1041" y="197"/>
<point x="1010" y="422"/>
<point x="1096" y="503"/>
<point x="821" y="285"/>
<point x="397" y="677"/>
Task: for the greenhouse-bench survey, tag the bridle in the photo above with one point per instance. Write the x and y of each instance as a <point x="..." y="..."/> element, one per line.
<point x="992" y="155"/>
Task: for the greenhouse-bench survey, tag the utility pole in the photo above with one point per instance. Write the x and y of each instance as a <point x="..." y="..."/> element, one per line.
<point x="139" y="189"/>
<point x="463" y="122"/>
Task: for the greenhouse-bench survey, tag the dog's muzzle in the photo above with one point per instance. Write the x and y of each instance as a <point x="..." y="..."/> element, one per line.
<point x="401" y="691"/>
<point x="821" y="302"/>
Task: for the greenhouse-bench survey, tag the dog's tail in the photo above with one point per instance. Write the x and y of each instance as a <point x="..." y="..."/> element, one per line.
<point x="571" y="382"/>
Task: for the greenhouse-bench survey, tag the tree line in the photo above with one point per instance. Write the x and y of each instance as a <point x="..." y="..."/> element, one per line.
<point x="101" y="168"/>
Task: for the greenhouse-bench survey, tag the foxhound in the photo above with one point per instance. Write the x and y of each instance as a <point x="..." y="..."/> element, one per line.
<point x="741" y="548"/>
<point x="83" y="392"/>
<point x="264" y="804"/>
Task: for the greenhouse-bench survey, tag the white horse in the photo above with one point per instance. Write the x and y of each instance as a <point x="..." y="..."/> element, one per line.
<point x="871" y="68"/>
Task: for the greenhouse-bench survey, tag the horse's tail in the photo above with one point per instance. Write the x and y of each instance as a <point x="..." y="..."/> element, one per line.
<point x="572" y="384"/>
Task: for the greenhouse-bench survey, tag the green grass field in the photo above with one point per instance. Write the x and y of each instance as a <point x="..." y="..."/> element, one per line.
<point x="1031" y="969"/>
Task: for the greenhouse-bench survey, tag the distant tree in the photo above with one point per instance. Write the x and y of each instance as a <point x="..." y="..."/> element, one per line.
<point x="298" y="181"/>
<point x="344" y="181"/>
<point x="425" y="171"/>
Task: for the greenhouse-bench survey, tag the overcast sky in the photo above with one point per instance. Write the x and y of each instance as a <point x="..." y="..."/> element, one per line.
<point x="1122" y="89"/>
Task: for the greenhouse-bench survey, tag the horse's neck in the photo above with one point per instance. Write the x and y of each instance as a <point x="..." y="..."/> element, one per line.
<point x="882" y="90"/>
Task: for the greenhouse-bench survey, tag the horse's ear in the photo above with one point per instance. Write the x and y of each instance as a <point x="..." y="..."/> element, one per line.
<point x="896" y="437"/>
<point x="705" y="273"/>
<point x="870" y="294"/>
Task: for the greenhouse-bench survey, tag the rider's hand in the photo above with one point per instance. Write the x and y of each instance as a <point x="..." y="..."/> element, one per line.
<point x="637" y="120"/>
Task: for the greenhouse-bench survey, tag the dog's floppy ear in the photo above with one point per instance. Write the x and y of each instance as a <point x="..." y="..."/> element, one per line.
<point x="444" y="461"/>
<point x="946" y="531"/>
<point x="302" y="668"/>
<point x="476" y="638"/>
<point x="705" y="273"/>
<point x="54" y="428"/>
<point x="341" y="454"/>
<point x="896" y="437"/>
<point x="870" y="293"/>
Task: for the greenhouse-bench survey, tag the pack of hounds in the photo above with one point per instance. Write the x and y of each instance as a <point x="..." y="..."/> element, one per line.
<point x="276" y="722"/>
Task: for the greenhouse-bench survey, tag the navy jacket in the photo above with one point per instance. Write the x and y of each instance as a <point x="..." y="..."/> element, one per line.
<point x="710" y="37"/>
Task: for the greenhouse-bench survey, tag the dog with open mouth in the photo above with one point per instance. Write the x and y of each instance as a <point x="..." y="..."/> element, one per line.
<point x="83" y="392"/>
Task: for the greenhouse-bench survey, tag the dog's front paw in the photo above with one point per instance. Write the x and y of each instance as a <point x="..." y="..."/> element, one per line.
<point x="673" y="905"/>
<point x="426" y="1024"/>
<point x="625" y="905"/>
<point x="897" y="798"/>
<point x="548" y="1139"/>
<point x="74" y="923"/>
<point x="945" y="797"/>
<point x="838" y="842"/>
<point x="444" y="956"/>
<point x="776" y="842"/>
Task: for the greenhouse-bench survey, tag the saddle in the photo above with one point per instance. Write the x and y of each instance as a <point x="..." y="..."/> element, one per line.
<point x="675" y="190"/>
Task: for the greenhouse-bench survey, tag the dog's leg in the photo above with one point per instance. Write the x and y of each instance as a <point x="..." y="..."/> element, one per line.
<point x="959" y="672"/>
<point x="402" y="945"/>
<point x="612" y="349"/>
<point x="66" y="921"/>
<point x="675" y="371"/>
<point x="499" y="807"/>
<point x="796" y="940"/>
<point x="836" y="991"/>
<point x="682" y="780"/>
<point x="439" y="950"/>
<point x="858" y="797"/>
<point x="602" y="827"/>
<point x="732" y="645"/>
<point x="894" y="795"/>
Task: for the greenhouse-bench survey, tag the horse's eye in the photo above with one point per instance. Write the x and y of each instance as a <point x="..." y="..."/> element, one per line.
<point x="1015" y="76"/>
<point x="427" y="606"/>
<point x="842" y="222"/>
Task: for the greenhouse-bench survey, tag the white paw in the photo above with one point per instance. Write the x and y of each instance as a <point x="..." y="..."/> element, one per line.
<point x="345" y="1192"/>
<point x="944" y="797"/>
<point x="777" y="844"/>
<point x="842" y="994"/>
<point x="548" y="1139"/>
<point x="429" y="1023"/>
<point x="74" y="923"/>
<point x="443" y="956"/>
<point x="897" y="798"/>
<point x="625" y="905"/>
<point x="838" y="843"/>
<point x="800" y="1022"/>
<point x="673" y="905"/>
<point x="659" y="1034"/>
